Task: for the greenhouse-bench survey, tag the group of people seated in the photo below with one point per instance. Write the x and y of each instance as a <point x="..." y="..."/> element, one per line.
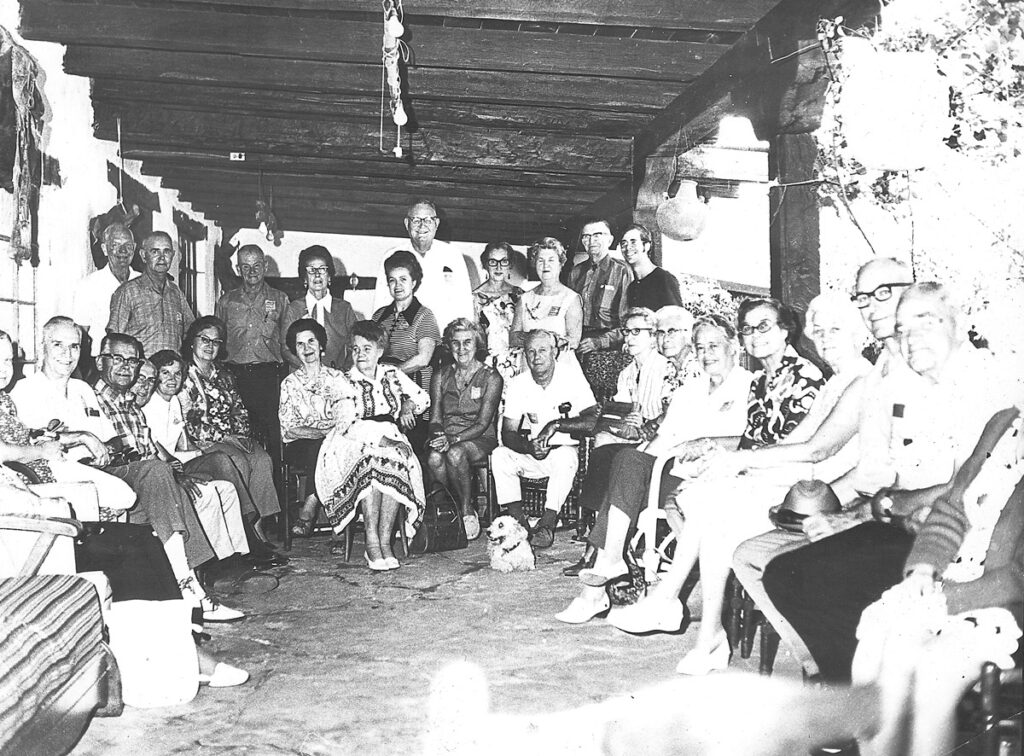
<point x="380" y="415"/>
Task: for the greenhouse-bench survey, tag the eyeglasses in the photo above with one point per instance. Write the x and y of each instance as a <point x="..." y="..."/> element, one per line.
<point x="763" y="327"/>
<point x="663" y="332"/>
<point x="127" y="247"/>
<point x="206" y="341"/>
<point x="144" y="381"/>
<point x="498" y="262"/>
<point x="317" y="271"/>
<point x="427" y="221"/>
<point x="118" y="361"/>
<point x="635" y="331"/>
<point x="880" y="293"/>
<point x="596" y="235"/>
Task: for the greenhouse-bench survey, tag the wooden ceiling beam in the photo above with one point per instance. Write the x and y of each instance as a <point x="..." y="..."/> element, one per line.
<point x="132" y="64"/>
<point x="159" y="27"/>
<point x="126" y="95"/>
<point x="438" y="145"/>
<point x="735" y="15"/>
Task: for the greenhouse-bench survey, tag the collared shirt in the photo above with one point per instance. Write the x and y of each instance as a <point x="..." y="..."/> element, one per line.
<point x="446" y="289"/>
<point x="530" y="406"/>
<point x="156" y="318"/>
<point x="254" y="330"/>
<point x="40" y="400"/>
<point x="404" y="330"/>
<point x="698" y="411"/>
<point x="167" y="425"/>
<point x="91" y="305"/>
<point x="128" y="421"/>
<point x="780" y="401"/>
<point x="213" y="407"/>
<point x="603" y="290"/>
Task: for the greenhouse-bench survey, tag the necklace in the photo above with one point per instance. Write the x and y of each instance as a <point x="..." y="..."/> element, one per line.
<point x="462" y="382"/>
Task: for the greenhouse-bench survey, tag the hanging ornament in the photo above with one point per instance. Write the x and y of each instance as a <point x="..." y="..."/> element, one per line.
<point x="682" y="215"/>
<point x="391" y="76"/>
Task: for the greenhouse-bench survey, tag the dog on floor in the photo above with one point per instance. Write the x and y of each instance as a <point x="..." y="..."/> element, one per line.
<point x="508" y="546"/>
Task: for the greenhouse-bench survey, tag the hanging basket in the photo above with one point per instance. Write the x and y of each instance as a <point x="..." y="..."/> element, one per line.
<point x="683" y="217"/>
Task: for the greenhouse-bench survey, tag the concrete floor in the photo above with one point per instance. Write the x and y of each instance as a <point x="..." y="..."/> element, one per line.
<point x="342" y="658"/>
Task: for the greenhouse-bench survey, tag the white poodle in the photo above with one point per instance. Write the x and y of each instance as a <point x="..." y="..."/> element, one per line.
<point x="508" y="545"/>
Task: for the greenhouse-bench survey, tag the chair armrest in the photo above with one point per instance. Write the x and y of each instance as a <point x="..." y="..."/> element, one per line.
<point x="58" y="526"/>
<point x="22" y="469"/>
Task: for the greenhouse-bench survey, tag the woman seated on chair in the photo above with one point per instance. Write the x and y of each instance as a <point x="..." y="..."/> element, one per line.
<point x="366" y="459"/>
<point x="781" y="395"/>
<point x="464" y="399"/>
<point x="216" y="418"/>
<point x="309" y="398"/>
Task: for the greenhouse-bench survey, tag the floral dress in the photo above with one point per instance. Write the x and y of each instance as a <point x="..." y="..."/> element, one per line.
<point x="13" y="431"/>
<point x="213" y="407"/>
<point x="310" y="399"/>
<point x="361" y="455"/>
<point x="495" y="313"/>
<point x="778" y="402"/>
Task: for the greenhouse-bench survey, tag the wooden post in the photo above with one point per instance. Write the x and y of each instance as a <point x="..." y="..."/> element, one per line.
<point x="793" y="235"/>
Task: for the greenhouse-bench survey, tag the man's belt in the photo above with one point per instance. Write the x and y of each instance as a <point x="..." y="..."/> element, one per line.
<point x="253" y="367"/>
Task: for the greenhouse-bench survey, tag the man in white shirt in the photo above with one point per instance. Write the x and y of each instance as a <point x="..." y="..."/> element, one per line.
<point x="91" y="304"/>
<point x="531" y="431"/>
<point x="449" y="277"/>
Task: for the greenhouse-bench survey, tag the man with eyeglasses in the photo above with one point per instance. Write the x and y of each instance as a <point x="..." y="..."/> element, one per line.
<point x="151" y="307"/>
<point x="254" y="315"/>
<point x="90" y="307"/>
<point x="449" y="277"/>
<point x="652" y="287"/>
<point x="601" y="282"/>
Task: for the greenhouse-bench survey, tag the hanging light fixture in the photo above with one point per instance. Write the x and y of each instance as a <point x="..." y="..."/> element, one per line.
<point x="683" y="214"/>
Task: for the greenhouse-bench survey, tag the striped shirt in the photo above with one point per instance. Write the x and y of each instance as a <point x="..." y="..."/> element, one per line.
<point x="404" y="330"/>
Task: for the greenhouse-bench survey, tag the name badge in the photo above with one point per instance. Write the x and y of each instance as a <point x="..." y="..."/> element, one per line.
<point x="90" y="412"/>
<point x="269" y="306"/>
<point x="554" y="311"/>
<point x="476" y="392"/>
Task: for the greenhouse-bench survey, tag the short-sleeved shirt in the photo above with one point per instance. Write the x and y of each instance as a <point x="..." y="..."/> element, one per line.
<point x="778" y="402"/>
<point x="40" y="400"/>
<point x="167" y="425"/>
<point x="530" y="406"/>
<point x="128" y="421"/>
<point x="603" y="290"/>
<point x="461" y="407"/>
<point x="213" y="407"/>
<point x="253" y="323"/>
<point x="91" y="305"/>
<point x="655" y="290"/>
<point x="404" y="330"/>
<point x="156" y="318"/>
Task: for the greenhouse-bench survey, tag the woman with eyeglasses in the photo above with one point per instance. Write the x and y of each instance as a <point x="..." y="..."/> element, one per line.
<point x="217" y="420"/>
<point x="780" y="396"/>
<point x="495" y="300"/>
<point x="316" y="269"/>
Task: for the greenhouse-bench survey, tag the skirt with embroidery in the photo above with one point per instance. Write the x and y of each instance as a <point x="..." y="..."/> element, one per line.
<point x="368" y="456"/>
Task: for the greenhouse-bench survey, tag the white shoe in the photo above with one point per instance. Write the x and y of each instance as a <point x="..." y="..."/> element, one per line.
<point x="224" y="676"/>
<point x="648" y="615"/>
<point x="214" y="611"/>
<point x="581" y="610"/>
<point x="391" y="563"/>
<point x="698" y="662"/>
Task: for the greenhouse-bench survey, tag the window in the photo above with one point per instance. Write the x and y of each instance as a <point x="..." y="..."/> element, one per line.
<point x="189" y="233"/>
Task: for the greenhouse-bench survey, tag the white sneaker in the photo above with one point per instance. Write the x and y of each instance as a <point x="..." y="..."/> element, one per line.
<point x="214" y="611"/>
<point x="224" y="676"/>
<point x="648" y="615"/>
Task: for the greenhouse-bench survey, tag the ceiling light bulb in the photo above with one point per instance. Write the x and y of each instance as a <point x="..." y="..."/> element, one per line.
<point x="393" y="27"/>
<point x="399" y="115"/>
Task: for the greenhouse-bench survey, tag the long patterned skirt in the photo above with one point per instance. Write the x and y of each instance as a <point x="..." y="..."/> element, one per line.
<point x="368" y="456"/>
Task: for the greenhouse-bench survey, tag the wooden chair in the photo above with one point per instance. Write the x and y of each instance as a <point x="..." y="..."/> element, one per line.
<point x="1002" y="730"/>
<point x="743" y="620"/>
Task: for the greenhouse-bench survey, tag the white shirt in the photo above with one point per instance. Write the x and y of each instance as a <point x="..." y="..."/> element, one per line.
<point x="322" y="305"/>
<point x="40" y="400"/>
<point x="167" y="425"/>
<point x="446" y="288"/>
<point x="534" y="406"/>
<point x="91" y="304"/>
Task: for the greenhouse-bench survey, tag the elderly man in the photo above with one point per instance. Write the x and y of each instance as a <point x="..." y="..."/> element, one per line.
<point x="448" y="276"/>
<point x="91" y="304"/>
<point x="535" y="445"/>
<point x="601" y="282"/>
<point x="151" y="307"/>
<point x="254" y="316"/>
<point x="920" y="426"/>
<point x="53" y="394"/>
<point x="652" y="287"/>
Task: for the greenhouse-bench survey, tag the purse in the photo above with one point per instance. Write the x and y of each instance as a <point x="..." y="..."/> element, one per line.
<point x="442" y="528"/>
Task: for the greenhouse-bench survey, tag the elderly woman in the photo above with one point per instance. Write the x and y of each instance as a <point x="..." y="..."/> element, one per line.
<point x="316" y="269"/>
<point x="781" y="394"/>
<point x="217" y="420"/>
<point x="551" y="305"/>
<point x="464" y="399"/>
<point x="495" y="300"/>
<point x="309" y="399"/>
<point x="366" y="459"/>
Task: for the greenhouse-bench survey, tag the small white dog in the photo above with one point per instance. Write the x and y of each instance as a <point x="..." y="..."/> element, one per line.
<point x="508" y="545"/>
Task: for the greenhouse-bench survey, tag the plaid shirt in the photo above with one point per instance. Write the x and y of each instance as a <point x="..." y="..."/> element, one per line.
<point x="127" y="419"/>
<point x="157" y="318"/>
<point x="602" y="287"/>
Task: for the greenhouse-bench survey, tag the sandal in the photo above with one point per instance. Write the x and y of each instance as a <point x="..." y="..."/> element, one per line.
<point x="303" y="527"/>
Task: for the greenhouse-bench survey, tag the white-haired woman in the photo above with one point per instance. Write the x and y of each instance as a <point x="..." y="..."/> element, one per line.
<point x="464" y="399"/>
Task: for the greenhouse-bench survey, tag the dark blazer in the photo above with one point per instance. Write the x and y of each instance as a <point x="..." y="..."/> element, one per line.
<point x="338" y="324"/>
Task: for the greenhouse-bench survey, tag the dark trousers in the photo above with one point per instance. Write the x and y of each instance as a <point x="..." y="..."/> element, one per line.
<point x="629" y="480"/>
<point x="259" y="385"/>
<point x="599" y="472"/>
<point x="132" y="558"/>
<point x="823" y="588"/>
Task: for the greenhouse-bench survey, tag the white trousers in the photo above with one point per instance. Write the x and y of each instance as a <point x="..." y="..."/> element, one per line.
<point x="559" y="467"/>
<point x="112" y="492"/>
<point x="220" y="514"/>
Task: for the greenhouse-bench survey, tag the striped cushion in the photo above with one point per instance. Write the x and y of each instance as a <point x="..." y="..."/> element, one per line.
<point x="49" y="624"/>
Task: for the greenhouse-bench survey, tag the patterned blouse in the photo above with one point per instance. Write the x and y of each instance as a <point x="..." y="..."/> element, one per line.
<point x="778" y="402"/>
<point x="384" y="393"/>
<point x="320" y="400"/>
<point x="495" y="313"/>
<point x="13" y="431"/>
<point x="212" y="406"/>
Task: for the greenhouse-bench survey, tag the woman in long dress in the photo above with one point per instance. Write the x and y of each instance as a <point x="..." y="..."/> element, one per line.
<point x="366" y="458"/>
<point x="496" y="299"/>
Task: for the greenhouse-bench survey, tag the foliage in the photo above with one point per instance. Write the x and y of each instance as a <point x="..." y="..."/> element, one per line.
<point x="704" y="297"/>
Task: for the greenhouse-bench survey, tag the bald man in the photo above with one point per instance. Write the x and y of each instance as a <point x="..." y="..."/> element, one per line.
<point x="91" y="304"/>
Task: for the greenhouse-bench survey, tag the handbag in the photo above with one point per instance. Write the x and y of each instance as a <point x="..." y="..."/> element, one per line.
<point x="442" y="528"/>
<point x="630" y="589"/>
